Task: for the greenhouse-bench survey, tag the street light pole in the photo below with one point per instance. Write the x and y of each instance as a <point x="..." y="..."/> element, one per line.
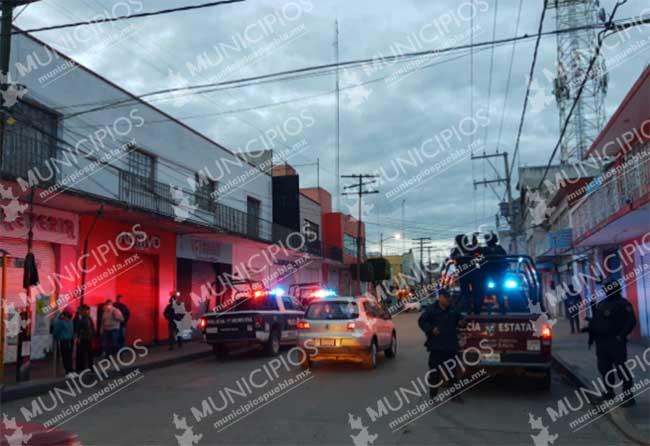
<point x="382" y="240"/>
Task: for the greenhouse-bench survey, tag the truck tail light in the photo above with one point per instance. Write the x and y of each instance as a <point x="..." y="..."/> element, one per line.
<point x="303" y="325"/>
<point x="546" y="332"/>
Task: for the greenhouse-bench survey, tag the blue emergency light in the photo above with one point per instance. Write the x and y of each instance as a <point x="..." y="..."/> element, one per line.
<point x="511" y="284"/>
<point x="277" y="291"/>
<point x="491" y="285"/>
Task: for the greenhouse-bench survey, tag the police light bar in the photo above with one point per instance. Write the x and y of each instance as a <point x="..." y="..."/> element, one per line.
<point x="322" y="293"/>
<point x="260" y="293"/>
<point x="491" y="285"/>
<point x="277" y="291"/>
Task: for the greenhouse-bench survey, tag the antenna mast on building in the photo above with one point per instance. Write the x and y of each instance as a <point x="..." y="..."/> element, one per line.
<point x="574" y="52"/>
<point x="338" y="131"/>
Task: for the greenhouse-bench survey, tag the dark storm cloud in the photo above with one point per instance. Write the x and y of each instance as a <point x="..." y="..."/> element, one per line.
<point x="379" y="122"/>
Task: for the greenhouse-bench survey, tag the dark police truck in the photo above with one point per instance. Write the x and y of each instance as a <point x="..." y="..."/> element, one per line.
<point x="253" y="317"/>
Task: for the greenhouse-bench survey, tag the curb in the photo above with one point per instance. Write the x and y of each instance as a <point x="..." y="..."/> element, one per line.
<point x="28" y="389"/>
<point x="615" y="416"/>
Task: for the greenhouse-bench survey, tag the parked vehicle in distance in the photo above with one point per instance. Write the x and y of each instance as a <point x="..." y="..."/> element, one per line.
<point x="347" y="329"/>
<point x="257" y="317"/>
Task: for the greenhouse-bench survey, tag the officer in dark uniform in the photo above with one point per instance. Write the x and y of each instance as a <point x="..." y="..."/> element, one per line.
<point x="440" y="324"/>
<point x="613" y="320"/>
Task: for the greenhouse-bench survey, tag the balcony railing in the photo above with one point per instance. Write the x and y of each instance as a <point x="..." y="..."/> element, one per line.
<point x="152" y="196"/>
<point x="616" y="192"/>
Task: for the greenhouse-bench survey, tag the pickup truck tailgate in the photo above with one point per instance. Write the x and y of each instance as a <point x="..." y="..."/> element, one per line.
<point x="236" y="325"/>
<point x="512" y="339"/>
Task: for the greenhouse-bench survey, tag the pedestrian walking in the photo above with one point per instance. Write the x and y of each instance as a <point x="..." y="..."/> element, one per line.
<point x="126" y="314"/>
<point x="440" y="325"/>
<point x="84" y="331"/>
<point x="172" y="317"/>
<point x="63" y="333"/>
<point x="572" y="305"/>
<point x="111" y="320"/>
<point x="613" y="320"/>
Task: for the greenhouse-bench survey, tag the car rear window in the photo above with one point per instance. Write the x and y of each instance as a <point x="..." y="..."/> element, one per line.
<point x="332" y="310"/>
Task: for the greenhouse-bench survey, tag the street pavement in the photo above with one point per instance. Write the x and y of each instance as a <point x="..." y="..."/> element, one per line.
<point x="335" y="404"/>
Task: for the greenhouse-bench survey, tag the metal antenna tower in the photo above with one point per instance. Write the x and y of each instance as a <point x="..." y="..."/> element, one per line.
<point x="574" y="51"/>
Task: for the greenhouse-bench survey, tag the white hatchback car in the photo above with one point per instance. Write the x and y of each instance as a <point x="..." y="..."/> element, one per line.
<point x="347" y="329"/>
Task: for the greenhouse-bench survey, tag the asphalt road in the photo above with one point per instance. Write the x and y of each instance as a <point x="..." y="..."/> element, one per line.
<point x="335" y="404"/>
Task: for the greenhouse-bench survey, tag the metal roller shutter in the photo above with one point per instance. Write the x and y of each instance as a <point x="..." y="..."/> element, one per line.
<point x="45" y="261"/>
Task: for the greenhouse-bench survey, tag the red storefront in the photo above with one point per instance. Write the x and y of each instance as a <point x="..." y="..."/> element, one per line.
<point x="136" y="261"/>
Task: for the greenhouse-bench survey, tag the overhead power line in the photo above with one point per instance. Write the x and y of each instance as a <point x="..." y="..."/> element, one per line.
<point x="530" y="82"/>
<point x="613" y="28"/>
<point x="125" y="17"/>
<point x="288" y="74"/>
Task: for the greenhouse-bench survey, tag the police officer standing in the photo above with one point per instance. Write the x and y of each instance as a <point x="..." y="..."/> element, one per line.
<point x="440" y="324"/>
<point x="613" y="320"/>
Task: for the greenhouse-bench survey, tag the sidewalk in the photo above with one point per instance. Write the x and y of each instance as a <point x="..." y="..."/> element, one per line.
<point x="43" y="378"/>
<point x="572" y="356"/>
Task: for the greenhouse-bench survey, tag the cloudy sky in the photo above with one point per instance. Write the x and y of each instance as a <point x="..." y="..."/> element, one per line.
<point x="416" y="122"/>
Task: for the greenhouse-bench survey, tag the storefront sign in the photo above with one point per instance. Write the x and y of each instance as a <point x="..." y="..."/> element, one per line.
<point x="146" y="243"/>
<point x="50" y="225"/>
<point x="196" y="248"/>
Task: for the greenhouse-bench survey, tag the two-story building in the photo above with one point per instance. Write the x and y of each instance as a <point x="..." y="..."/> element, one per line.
<point x="611" y="220"/>
<point x="117" y="191"/>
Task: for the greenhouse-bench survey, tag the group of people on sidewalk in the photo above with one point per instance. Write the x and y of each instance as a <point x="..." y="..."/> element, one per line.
<point x="611" y="323"/>
<point x="78" y="332"/>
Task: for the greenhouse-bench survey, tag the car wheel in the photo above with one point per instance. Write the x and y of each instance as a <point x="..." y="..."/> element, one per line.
<point x="391" y="351"/>
<point x="273" y="344"/>
<point x="371" y="357"/>
<point x="220" y="351"/>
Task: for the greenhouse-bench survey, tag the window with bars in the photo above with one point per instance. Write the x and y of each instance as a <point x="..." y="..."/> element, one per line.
<point x="205" y="193"/>
<point x="30" y="142"/>
<point x="253" y="213"/>
<point x="141" y="164"/>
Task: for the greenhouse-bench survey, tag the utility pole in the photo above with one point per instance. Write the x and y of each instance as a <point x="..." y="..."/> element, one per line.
<point x="512" y="219"/>
<point x="24" y="335"/>
<point x="337" y="121"/>
<point x="360" y="192"/>
<point x="421" y="240"/>
<point x="429" y="265"/>
<point x="403" y="233"/>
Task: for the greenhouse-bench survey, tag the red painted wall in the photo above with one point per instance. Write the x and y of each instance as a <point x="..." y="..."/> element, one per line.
<point x="333" y="229"/>
<point x="104" y="249"/>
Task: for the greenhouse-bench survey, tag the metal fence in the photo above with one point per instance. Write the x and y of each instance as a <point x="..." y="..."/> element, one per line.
<point x="615" y="193"/>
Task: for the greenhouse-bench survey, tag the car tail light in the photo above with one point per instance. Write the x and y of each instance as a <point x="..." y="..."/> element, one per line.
<point x="546" y="332"/>
<point x="259" y="293"/>
<point x="303" y="325"/>
<point x="258" y="322"/>
<point x="351" y="326"/>
<point x="202" y="324"/>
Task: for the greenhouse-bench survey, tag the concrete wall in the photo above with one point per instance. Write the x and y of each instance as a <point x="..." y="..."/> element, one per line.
<point x="181" y="152"/>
